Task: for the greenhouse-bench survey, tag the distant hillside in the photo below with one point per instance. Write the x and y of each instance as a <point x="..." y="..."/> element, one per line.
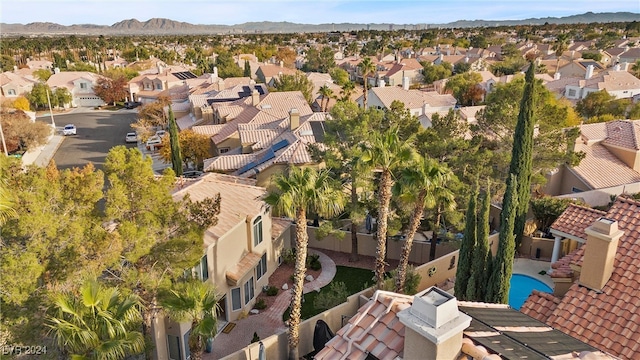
<point x="170" y="27"/>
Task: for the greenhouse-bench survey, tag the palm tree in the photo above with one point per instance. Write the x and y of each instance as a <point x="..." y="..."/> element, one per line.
<point x="636" y="69"/>
<point x="560" y="46"/>
<point x="366" y="67"/>
<point x="196" y="302"/>
<point x="97" y="323"/>
<point x="325" y="93"/>
<point x="296" y="193"/>
<point x="347" y="90"/>
<point x="7" y="209"/>
<point x="386" y="151"/>
<point x="417" y="184"/>
<point x="446" y="201"/>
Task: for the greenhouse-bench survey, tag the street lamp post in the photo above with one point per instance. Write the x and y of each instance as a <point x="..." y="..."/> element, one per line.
<point x="53" y="123"/>
<point x="4" y="145"/>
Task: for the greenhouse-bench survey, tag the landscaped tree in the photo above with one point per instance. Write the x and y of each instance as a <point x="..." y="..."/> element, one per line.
<point x="38" y="95"/>
<point x="247" y="69"/>
<point x="481" y="262"/>
<point x="111" y="90"/>
<point x="497" y="290"/>
<point x="431" y="73"/>
<point x="366" y="68"/>
<point x="195" y="302"/>
<point x="194" y="148"/>
<point x="522" y="152"/>
<point x="20" y="133"/>
<point x="416" y="184"/>
<point x="297" y="82"/>
<point x="467" y="247"/>
<point x="465" y="88"/>
<point x="176" y="157"/>
<point x="98" y="323"/>
<point x="387" y="152"/>
<point x="296" y="193"/>
<point x="150" y="117"/>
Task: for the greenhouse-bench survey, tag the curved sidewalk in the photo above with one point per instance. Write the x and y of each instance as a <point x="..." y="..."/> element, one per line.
<point x="270" y="321"/>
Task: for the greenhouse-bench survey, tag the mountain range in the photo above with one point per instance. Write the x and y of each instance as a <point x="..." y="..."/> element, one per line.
<point x="158" y="26"/>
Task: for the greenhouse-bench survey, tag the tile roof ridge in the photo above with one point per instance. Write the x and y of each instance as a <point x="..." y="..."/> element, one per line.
<point x="230" y="179"/>
<point x="584" y="207"/>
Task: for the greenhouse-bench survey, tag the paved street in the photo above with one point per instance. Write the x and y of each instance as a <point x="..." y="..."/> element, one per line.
<point x="97" y="133"/>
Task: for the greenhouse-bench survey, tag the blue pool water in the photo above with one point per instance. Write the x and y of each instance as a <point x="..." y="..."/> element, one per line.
<point x="521" y="288"/>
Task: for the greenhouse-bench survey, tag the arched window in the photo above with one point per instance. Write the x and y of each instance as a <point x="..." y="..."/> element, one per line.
<point x="257" y="231"/>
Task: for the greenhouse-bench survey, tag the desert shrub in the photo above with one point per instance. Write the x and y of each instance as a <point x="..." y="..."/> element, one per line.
<point x="335" y="295"/>
<point x="260" y="304"/>
<point x="289" y="256"/>
<point x="313" y="262"/>
<point x="256" y="338"/>
<point x="272" y="291"/>
<point x="411" y="282"/>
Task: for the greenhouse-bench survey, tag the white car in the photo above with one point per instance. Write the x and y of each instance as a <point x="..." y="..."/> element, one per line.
<point x="154" y="142"/>
<point x="69" y="129"/>
<point x="131" y="138"/>
<point x="160" y="133"/>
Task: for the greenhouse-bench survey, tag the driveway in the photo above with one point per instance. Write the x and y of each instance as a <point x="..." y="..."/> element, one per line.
<point x="97" y="133"/>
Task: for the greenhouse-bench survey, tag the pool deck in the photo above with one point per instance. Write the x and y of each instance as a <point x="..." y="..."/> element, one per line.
<point x="532" y="268"/>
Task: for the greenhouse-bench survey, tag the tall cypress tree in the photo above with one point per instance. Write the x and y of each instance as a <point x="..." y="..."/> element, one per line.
<point x="466" y="248"/>
<point x="247" y="69"/>
<point x="522" y="152"/>
<point x="176" y="157"/>
<point x="502" y="266"/>
<point x="476" y="287"/>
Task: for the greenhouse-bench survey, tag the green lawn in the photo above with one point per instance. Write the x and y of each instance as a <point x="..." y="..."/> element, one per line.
<point x="355" y="279"/>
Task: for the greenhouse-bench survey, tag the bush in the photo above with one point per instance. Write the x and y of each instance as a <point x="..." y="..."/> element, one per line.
<point x="289" y="256"/>
<point x="313" y="262"/>
<point x="260" y="304"/>
<point x="256" y="338"/>
<point x="272" y="291"/>
<point x="334" y="296"/>
<point x="411" y="281"/>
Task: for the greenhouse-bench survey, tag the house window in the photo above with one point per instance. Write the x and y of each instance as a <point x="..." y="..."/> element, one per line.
<point x="248" y="291"/>
<point x="11" y="92"/>
<point x="261" y="269"/>
<point x="83" y="85"/>
<point x="576" y="190"/>
<point x="147" y="86"/>
<point x="236" y="303"/>
<point x="279" y="257"/>
<point x="203" y="269"/>
<point x="257" y="231"/>
<point x="224" y="150"/>
<point x="572" y="93"/>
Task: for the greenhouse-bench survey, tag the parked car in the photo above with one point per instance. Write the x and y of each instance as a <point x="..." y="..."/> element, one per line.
<point x="132" y="104"/>
<point x="161" y="133"/>
<point x="69" y="129"/>
<point x="154" y="143"/>
<point x="131" y="138"/>
<point x="192" y="174"/>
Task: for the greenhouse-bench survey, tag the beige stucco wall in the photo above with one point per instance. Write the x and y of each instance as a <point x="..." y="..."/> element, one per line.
<point x="530" y="245"/>
<point x="629" y="157"/>
<point x="367" y="246"/>
<point x="600" y="197"/>
<point x="228" y="252"/>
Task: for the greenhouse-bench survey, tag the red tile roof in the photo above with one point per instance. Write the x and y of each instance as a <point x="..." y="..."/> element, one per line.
<point x="540" y="305"/>
<point x="608" y="320"/>
<point x="574" y="220"/>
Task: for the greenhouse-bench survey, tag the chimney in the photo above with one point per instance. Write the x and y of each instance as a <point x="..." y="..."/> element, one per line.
<point x="56" y="70"/>
<point x="616" y="67"/>
<point x="215" y="71"/>
<point x="294" y="118"/>
<point x="556" y="76"/>
<point x="381" y="83"/>
<point x="405" y="83"/>
<point x="433" y="326"/>
<point x="589" y="72"/>
<point x="599" y="253"/>
<point x="281" y="63"/>
<point x="255" y="97"/>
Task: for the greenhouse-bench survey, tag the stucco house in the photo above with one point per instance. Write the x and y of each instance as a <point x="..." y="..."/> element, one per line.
<point x="611" y="165"/>
<point x="239" y="254"/>
<point x="268" y="73"/>
<point x="80" y="84"/>
<point x="149" y="85"/>
<point x="13" y="85"/>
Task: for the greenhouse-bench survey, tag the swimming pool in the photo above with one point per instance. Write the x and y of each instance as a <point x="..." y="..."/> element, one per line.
<point x="521" y="287"/>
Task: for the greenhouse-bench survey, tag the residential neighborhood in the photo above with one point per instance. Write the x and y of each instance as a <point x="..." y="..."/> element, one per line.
<point x="423" y="192"/>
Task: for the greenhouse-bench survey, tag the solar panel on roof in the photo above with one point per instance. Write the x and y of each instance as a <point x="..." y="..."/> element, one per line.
<point x="279" y="145"/>
<point x="268" y="155"/>
<point x="183" y="75"/>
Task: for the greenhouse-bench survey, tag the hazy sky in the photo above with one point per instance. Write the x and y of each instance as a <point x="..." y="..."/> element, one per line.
<point x="223" y="12"/>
